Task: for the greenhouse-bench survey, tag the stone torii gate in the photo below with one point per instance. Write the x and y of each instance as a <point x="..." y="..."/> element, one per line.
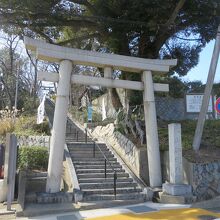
<point x="109" y="62"/>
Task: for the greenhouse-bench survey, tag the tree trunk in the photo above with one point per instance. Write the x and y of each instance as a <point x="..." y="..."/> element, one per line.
<point x="116" y="102"/>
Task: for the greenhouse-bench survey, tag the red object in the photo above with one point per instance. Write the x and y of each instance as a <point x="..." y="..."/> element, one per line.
<point x="217" y="105"/>
<point x="2" y="172"/>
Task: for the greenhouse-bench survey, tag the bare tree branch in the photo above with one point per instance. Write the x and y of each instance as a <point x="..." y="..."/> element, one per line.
<point x="174" y="15"/>
<point x="87" y="36"/>
<point x="86" y="3"/>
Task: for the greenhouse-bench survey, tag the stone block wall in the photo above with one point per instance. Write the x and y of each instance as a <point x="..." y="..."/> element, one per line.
<point x="43" y="141"/>
<point x="204" y="177"/>
<point x="134" y="157"/>
<point x="206" y="180"/>
<point x="110" y="111"/>
<point x="167" y="108"/>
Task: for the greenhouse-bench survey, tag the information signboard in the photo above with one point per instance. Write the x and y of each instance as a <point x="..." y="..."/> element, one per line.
<point x="90" y="113"/>
<point x="194" y="103"/>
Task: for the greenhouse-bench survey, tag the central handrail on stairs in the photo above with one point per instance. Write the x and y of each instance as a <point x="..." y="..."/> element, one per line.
<point x="76" y="134"/>
<point x="106" y="160"/>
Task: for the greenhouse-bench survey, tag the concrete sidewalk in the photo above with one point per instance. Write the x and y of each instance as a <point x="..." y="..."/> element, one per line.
<point x="147" y="210"/>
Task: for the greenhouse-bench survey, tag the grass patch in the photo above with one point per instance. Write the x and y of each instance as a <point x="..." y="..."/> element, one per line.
<point x="7" y="125"/>
<point x="26" y="125"/>
<point x="22" y="125"/>
<point x="210" y="135"/>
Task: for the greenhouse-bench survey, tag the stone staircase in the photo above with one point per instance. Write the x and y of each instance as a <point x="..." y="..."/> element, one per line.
<point x="89" y="165"/>
<point x="90" y="171"/>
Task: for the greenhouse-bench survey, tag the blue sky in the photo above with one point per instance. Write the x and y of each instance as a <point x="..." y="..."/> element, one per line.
<point x="200" y="72"/>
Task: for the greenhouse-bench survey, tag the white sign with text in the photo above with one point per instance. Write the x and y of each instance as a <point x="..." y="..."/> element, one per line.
<point x="194" y="103"/>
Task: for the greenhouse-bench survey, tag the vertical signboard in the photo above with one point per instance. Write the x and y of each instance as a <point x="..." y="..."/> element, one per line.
<point x="90" y="113"/>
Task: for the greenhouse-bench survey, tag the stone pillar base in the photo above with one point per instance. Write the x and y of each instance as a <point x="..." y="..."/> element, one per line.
<point x="176" y="194"/>
<point x="3" y="190"/>
<point x="170" y="199"/>
<point x="177" y="189"/>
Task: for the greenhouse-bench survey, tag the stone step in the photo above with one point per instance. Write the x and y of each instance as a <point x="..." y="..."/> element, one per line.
<point x="90" y="155"/>
<point x="129" y="196"/>
<point x="83" y="144"/>
<point x="75" y="140"/>
<point x="87" y="149"/>
<point x="82" y="163"/>
<point x="105" y="180"/>
<point x="91" y="159"/>
<point x="126" y="190"/>
<point x="99" y="175"/>
<point x="108" y="185"/>
<point x="74" y="132"/>
<point x="79" y="171"/>
<point x="97" y="166"/>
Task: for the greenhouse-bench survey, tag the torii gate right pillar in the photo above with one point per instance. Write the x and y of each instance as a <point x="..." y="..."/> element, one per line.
<point x="153" y="150"/>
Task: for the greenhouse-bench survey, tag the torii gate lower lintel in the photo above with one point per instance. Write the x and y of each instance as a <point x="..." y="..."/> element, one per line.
<point x="66" y="57"/>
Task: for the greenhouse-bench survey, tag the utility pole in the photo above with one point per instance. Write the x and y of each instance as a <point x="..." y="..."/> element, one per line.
<point x="208" y="90"/>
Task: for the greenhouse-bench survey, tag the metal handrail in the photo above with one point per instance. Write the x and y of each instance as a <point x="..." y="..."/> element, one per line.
<point x="106" y="160"/>
<point x="75" y="132"/>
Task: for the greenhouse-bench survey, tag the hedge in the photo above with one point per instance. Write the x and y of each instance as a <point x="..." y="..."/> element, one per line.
<point x="33" y="158"/>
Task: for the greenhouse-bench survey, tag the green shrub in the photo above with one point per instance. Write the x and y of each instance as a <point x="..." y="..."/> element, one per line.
<point x="33" y="158"/>
<point x="42" y="128"/>
<point x="26" y="125"/>
<point x="6" y="126"/>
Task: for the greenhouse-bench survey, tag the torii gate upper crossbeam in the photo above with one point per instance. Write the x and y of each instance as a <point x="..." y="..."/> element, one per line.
<point x="54" y="53"/>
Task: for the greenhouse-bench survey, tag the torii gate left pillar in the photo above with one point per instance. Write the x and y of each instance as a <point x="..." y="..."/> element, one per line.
<point x="55" y="165"/>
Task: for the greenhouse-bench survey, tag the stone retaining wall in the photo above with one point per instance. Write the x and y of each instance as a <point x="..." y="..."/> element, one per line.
<point x="43" y="141"/>
<point x="167" y="108"/>
<point x="204" y="177"/>
<point x="134" y="157"/>
<point x="206" y="180"/>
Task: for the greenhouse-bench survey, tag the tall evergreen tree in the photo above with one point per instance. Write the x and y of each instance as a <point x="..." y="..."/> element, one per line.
<point x="143" y="28"/>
